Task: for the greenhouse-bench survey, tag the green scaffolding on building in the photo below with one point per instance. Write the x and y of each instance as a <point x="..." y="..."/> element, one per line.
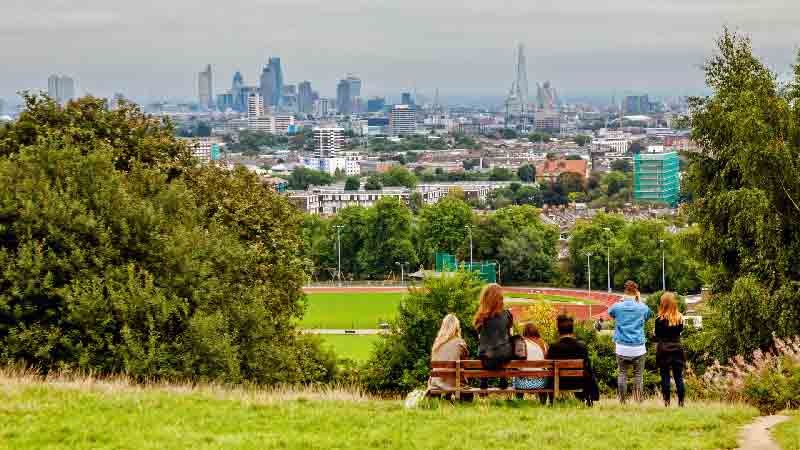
<point x="656" y="177"/>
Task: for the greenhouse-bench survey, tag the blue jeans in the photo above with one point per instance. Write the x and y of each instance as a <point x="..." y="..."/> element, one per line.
<point x="677" y="372"/>
<point x="623" y="362"/>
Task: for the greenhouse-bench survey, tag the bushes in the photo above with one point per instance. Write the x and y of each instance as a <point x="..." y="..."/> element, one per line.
<point x="770" y="382"/>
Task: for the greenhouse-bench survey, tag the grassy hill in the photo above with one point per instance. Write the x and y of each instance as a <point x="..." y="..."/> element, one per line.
<point x="85" y="414"/>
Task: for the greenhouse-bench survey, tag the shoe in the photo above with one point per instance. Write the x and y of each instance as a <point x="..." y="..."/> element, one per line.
<point x="680" y="403"/>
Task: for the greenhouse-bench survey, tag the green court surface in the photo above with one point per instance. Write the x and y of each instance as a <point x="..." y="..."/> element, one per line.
<point x="354" y="347"/>
<point x="344" y="310"/>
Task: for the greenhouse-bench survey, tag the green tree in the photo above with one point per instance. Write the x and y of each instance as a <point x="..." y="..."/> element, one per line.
<point x="571" y="182"/>
<point x="527" y="173"/>
<point x="530" y="254"/>
<point x="373" y="184"/>
<point x="400" y="362"/>
<point x="352" y="184"/>
<point x="621" y="165"/>
<point x="442" y="225"/>
<point x="388" y="238"/>
<point x="582" y="140"/>
<point x="500" y="174"/>
<point x="747" y="196"/>
<point x="301" y="178"/>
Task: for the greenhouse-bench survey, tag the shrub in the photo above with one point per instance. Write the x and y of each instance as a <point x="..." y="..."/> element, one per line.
<point x="543" y="315"/>
<point x="400" y="362"/>
<point x="770" y="381"/>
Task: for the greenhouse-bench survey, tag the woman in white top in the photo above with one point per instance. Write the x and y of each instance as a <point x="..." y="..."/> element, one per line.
<point x="448" y="346"/>
<point x="536" y="349"/>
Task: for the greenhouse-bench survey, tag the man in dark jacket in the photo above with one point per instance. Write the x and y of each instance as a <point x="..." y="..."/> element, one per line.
<point x="569" y="347"/>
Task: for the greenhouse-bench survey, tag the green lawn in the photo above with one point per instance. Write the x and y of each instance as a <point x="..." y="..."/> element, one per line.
<point x="358" y="310"/>
<point x="47" y="417"/>
<point x="357" y="348"/>
<point x="788" y="433"/>
<point x="548" y="298"/>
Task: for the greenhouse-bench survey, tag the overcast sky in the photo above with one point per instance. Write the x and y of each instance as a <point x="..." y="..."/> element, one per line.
<point x="148" y="48"/>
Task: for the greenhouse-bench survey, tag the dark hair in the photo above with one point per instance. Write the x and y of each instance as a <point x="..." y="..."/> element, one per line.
<point x="565" y="324"/>
<point x="530" y="331"/>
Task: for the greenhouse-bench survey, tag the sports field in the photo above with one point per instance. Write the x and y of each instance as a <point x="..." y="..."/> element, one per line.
<point x="346" y="310"/>
<point x="510" y="296"/>
<point x="348" y="346"/>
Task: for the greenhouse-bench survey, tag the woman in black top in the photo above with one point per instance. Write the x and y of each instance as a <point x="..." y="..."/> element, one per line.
<point x="494" y="332"/>
<point x="669" y="351"/>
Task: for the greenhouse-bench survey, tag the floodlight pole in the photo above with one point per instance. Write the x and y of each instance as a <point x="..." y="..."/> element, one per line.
<point x="589" y="267"/>
<point x="663" y="267"/>
<point x="469" y="229"/>
<point x="608" y="259"/>
<point x="339" y="252"/>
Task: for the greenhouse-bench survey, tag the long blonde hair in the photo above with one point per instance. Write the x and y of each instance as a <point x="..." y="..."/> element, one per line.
<point x="451" y="328"/>
<point x="668" y="309"/>
<point x="491" y="304"/>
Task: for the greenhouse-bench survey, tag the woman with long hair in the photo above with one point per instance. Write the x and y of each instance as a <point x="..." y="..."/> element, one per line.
<point x="494" y="331"/>
<point x="448" y="346"/>
<point x="669" y="351"/>
<point x="630" y="316"/>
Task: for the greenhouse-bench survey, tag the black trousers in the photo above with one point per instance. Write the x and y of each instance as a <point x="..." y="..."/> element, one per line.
<point x="677" y="373"/>
<point x="493" y="364"/>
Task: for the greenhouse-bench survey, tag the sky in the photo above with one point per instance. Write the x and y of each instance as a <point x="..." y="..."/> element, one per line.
<point x="153" y="49"/>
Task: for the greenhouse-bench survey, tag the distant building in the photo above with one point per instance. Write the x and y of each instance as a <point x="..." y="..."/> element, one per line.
<point x="343" y="98"/>
<point x="305" y="98"/>
<point x="376" y="104"/>
<point x="238" y="92"/>
<point x="549" y="170"/>
<point x="61" y="88"/>
<point x="328" y="142"/>
<point x="225" y="101"/>
<point x="205" y="149"/>
<point x="546" y="96"/>
<point x="406" y="99"/>
<point x="402" y="120"/>
<point x="273" y="124"/>
<point x="255" y="106"/>
<point x="547" y="120"/>
<point x="637" y="104"/>
<point x="322" y="107"/>
<point x="656" y="177"/>
<point x="205" y="88"/>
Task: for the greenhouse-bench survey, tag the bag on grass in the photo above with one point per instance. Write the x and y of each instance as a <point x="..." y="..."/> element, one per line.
<point x="415" y="397"/>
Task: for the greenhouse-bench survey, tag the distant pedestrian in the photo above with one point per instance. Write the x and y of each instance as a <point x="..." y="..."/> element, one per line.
<point x="670" y="356"/>
<point x="630" y="316"/>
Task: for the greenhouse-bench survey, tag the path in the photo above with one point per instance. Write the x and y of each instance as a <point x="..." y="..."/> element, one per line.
<point x="344" y="331"/>
<point x="756" y="436"/>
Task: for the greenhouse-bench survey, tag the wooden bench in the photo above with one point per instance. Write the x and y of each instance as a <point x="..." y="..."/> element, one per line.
<point x="555" y="370"/>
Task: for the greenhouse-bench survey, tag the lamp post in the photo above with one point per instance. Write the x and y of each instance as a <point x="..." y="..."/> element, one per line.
<point x="608" y="259"/>
<point x="402" y="272"/>
<point x="589" y="268"/>
<point x="339" y="252"/>
<point x="469" y="230"/>
<point x="663" y="267"/>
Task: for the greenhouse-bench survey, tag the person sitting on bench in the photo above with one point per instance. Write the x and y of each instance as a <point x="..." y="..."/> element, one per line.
<point x="448" y="346"/>
<point x="536" y="349"/>
<point x="569" y="347"/>
<point x="494" y="332"/>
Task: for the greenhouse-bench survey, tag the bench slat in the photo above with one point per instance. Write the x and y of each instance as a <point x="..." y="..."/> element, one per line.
<point x="476" y="364"/>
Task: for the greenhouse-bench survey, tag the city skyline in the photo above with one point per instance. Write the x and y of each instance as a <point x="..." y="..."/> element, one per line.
<point x="463" y="48"/>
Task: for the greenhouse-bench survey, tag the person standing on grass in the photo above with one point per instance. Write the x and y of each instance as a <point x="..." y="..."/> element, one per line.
<point x="669" y="351"/>
<point x="448" y="346"/>
<point x="630" y="316"/>
<point x="494" y="332"/>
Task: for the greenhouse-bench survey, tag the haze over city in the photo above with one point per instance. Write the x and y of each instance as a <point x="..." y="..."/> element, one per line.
<point x="464" y="48"/>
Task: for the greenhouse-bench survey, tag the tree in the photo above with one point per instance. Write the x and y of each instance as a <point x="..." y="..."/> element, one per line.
<point x="373" y="184"/>
<point x="746" y="197"/>
<point x="527" y="173"/>
<point x="442" y="225"/>
<point x="530" y="254"/>
<point x="388" y="238"/>
<point x="500" y="174"/>
<point x="574" y="158"/>
<point x="571" y="182"/>
<point x="400" y="362"/>
<point x="352" y="184"/>
<point x="621" y="165"/>
<point x="539" y="137"/>
<point x="124" y="261"/>
<point x="301" y="178"/>
<point x="582" y="140"/>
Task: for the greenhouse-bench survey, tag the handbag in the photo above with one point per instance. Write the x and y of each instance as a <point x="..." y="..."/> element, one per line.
<point x="519" y="347"/>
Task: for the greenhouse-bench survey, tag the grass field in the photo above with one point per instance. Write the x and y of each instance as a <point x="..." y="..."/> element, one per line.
<point x="352" y="347"/>
<point x="548" y="298"/>
<point x="359" y="310"/>
<point x="90" y="416"/>
<point x="788" y="433"/>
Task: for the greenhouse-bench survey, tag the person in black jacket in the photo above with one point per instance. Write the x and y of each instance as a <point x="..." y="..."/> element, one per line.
<point x="669" y="351"/>
<point x="494" y="332"/>
<point x="569" y="347"/>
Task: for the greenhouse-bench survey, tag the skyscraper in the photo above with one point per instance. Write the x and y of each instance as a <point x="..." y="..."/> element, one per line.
<point x="255" y="106"/>
<point x="61" y="88"/>
<point x="343" y="97"/>
<point x="522" y="75"/>
<point x="403" y="120"/>
<point x="376" y="104"/>
<point x="546" y="96"/>
<point x="274" y="65"/>
<point x="328" y="141"/>
<point x="205" y="88"/>
<point x="239" y="97"/>
<point x="405" y="99"/>
<point x="305" y="97"/>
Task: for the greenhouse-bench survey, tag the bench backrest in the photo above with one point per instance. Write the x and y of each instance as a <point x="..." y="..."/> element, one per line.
<point x="473" y="368"/>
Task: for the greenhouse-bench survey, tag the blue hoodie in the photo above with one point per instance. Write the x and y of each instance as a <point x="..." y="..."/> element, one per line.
<point x="630" y="317"/>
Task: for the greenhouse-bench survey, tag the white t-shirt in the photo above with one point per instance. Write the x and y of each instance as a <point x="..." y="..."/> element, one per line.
<point x="631" y="351"/>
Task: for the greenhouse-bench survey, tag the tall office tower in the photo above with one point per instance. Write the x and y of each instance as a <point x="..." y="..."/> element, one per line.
<point x="205" y="88"/>
<point x="322" y="107"/>
<point x="61" y="88"/>
<point x="344" y="103"/>
<point x="403" y="120"/>
<point x="255" y="106"/>
<point x="328" y="142"/>
<point x="237" y="90"/>
<point x="275" y="83"/>
<point x="355" y="85"/>
<point x="266" y="86"/>
<point x="546" y="96"/>
<point x="637" y="104"/>
<point x="522" y="76"/>
<point x="405" y="99"/>
<point x="376" y="104"/>
<point x="305" y="98"/>
<point x="656" y="177"/>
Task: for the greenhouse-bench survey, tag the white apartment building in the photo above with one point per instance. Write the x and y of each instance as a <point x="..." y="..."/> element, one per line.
<point x="205" y="149"/>
<point x="272" y="124"/>
<point x="255" y="106"/>
<point x="403" y="120"/>
<point x="331" y="165"/>
<point x="328" y="141"/>
<point x="611" y="142"/>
